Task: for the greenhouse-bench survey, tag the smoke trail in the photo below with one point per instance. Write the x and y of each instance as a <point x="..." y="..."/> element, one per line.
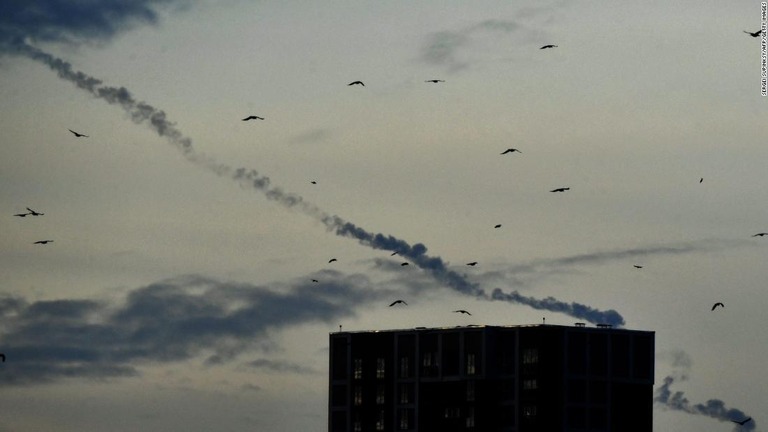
<point x="141" y="112"/>
<point x="576" y="310"/>
<point x="714" y="408"/>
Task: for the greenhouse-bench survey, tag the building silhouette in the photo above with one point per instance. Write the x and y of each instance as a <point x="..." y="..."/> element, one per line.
<point x="543" y="378"/>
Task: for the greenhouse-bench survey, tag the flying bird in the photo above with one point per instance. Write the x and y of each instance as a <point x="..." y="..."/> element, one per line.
<point x="511" y="150"/>
<point x="22" y="214"/>
<point x="3" y="356"/>
<point x="742" y="422"/>
<point x="497" y="226"/>
<point x="755" y="34"/>
<point x="77" y="135"/>
<point x="701" y="179"/>
<point x="313" y="182"/>
<point x="34" y="213"/>
<point x="473" y="263"/>
<point x="548" y="46"/>
<point x="315" y="280"/>
<point x="760" y="234"/>
<point x="398" y="301"/>
<point x="716" y="305"/>
<point x="332" y="260"/>
<point x="404" y="264"/>
<point x="253" y="118"/>
<point x="637" y="266"/>
<point x="463" y="311"/>
<point x="43" y="242"/>
<point x="356" y="83"/>
<point x="560" y="189"/>
<point x="435" y="81"/>
<point x="393" y="253"/>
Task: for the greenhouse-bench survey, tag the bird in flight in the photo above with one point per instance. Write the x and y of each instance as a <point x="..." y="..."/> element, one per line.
<point x="701" y="179"/>
<point x="315" y="280"/>
<point x="404" y="264"/>
<point x="3" y="356"/>
<point x="332" y="260"/>
<point x="760" y="234"/>
<point x="78" y="135"/>
<point x="511" y="150"/>
<point x="356" y="83"/>
<point x="755" y="34"/>
<point x="716" y="305"/>
<point x="313" y="182"/>
<point x="548" y="46"/>
<point x="253" y="117"/>
<point x="22" y="214"/>
<point x="43" y="242"/>
<point x="497" y="226"/>
<point x="637" y="266"/>
<point x="34" y="213"/>
<point x="473" y="263"/>
<point x="398" y="301"/>
<point x="742" y="422"/>
<point x="560" y="189"/>
<point x="435" y="81"/>
<point x="393" y="253"/>
<point x="463" y="312"/>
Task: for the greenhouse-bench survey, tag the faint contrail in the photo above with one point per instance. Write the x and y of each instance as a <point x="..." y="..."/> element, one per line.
<point x="141" y="112"/>
<point x="714" y="408"/>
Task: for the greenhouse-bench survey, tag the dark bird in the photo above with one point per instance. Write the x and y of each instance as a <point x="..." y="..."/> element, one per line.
<point x="473" y="263"/>
<point x="755" y="34"/>
<point x="760" y="234"/>
<point x="332" y="260"/>
<point x="356" y="83"/>
<point x="716" y="305"/>
<point x="253" y="118"/>
<point x="404" y="264"/>
<point x="497" y="226"/>
<point x="77" y="135"/>
<point x="637" y="266"/>
<point x="560" y="189"/>
<point x="23" y="214"/>
<point x="463" y="311"/>
<point x="398" y="301"/>
<point x="435" y="81"/>
<point x="393" y="253"/>
<point x="701" y="179"/>
<point x="315" y="280"/>
<point x="742" y="422"/>
<point x="511" y="150"/>
<point x="43" y="242"/>
<point x="548" y="46"/>
<point x="34" y="213"/>
<point x="313" y="182"/>
<point x="3" y="356"/>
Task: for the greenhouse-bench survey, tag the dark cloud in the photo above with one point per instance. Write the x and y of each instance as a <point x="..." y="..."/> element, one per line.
<point x="74" y="22"/>
<point x="172" y="320"/>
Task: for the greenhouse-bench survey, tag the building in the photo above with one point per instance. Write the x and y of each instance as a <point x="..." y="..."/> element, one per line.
<point x="492" y="378"/>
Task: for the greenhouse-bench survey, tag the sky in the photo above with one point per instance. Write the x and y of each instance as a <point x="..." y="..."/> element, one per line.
<point x="178" y="291"/>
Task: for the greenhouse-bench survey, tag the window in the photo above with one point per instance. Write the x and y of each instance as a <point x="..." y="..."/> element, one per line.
<point x="380" y="363"/>
<point x="405" y="393"/>
<point x="380" y="421"/>
<point x="404" y="419"/>
<point x="470" y="391"/>
<point x="470" y="422"/>
<point x="530" y="384"/>
<point x="380" y="394"/>
<point x="529" y="411"/>
<point x="357" y="425"/>
<point x="358" y="368"/>
<point x="471" y="364"/>
<point x="404" y="363"/>
<point x="530" y="355"/>
<point x="452" y="413"/>
<point x="358" y="395"/>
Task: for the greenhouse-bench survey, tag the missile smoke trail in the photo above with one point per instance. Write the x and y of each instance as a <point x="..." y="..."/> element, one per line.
<point x="141" y="112"/>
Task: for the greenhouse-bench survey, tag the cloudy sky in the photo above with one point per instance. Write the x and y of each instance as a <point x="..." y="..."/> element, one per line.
<point x="178" y="293"/>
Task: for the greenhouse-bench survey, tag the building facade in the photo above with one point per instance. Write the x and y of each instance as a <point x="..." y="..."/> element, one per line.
<point x="492" y="378"/>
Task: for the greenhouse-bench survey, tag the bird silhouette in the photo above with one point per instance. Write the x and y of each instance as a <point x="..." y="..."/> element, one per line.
<point x="637" y="266"/>
<point x="548" y="46"/>
<point x="3" y="356"/>
<point x="332" y="260"/>
<point x="760" y="234"/>
<point x="404" y="264"/>
<point x="435" y="81"/>
<point x="701" y="179"/>
<point x="78" y="135"/>
<point x="716" y="305"/>
<point x="560" y="189"/>
<point x="315" y="280"/>
<point x="398" y="301"/>
<point x="253" y="117"/>
<point x="393" y="253"/>
<point x="463" y="312"/>
<point x="313" y="182"/>
<point x="497" y="226"/>
<point x="34" y="213"/>
<point x="742" y="422"/>
<point x="473" y="263"/>
<point x="356" y="83"/>
<point x="511" y="150"/>
<point x="22" y="214"/>
<point x="755" y="34"/>
<point x="43" y="242"/>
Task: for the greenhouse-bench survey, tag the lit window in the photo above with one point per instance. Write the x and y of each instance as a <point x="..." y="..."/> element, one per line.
<point x="358" y="368"/>
<point x="529" y="410"/>
<point x="380" y="367"/>
<point x="358" y="395"/>
<point x="404" y="372"/>
<point x="530" y="384"/>
<point x="470" y="417"/>
<point x="470" y="364"/>
<point x="470" y="391"/>
<point x="380" y="392"/>
<point x="380" y="421"/>
<point x="357" y="425"/>
<point x="403" y="419"/>
<point x="530" y="355"/>
<point x="452" y="413"/>
<point x="404" y="394"/>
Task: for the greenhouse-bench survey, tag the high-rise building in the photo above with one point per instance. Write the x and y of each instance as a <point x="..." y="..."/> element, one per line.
<point x="542" y="378"/>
